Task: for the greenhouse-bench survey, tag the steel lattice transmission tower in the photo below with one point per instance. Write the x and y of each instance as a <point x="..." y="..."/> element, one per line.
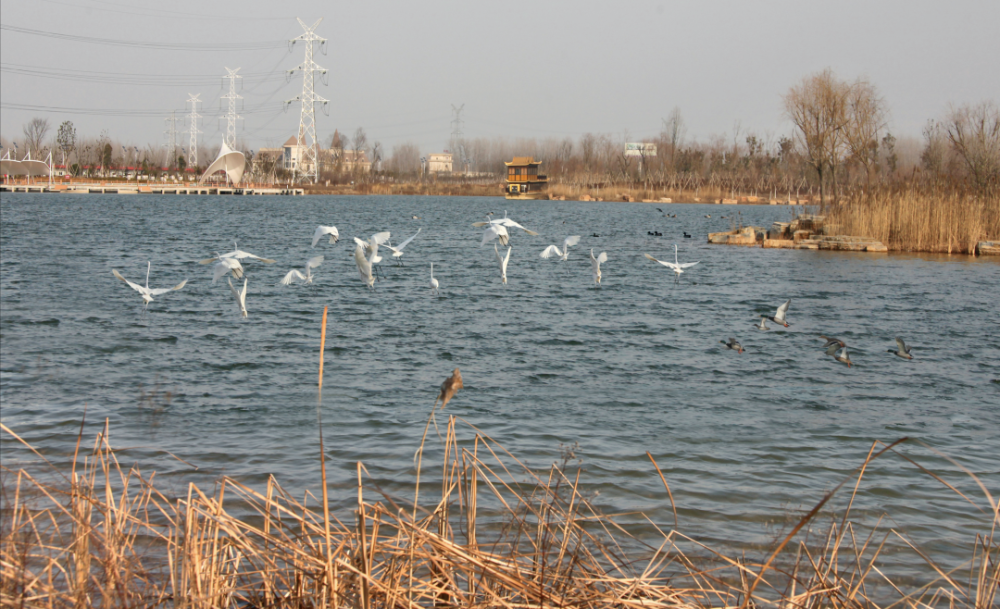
<point x="457" y="134"/>
<point x="231" y="115"/>
<point x="308" y="164"/>
<point x="456" y="123"/>
<point x="171" y="133"/>
<point x="193" y="141"/>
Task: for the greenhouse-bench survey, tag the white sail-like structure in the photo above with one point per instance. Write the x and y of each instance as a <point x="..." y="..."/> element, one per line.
<point x="11" y="167"/>
<point x="231" y="161"/>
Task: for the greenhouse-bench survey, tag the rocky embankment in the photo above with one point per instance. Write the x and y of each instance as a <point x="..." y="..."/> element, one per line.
<point x="811" y="232"/>
<point x="806" y="232"/>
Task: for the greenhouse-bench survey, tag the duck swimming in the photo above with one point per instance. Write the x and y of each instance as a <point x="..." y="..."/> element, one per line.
<point x="843" y="357"/>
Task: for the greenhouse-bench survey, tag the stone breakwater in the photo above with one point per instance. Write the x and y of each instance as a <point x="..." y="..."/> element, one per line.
<point x="806" y="232"/>
<point x="812" y="232"/>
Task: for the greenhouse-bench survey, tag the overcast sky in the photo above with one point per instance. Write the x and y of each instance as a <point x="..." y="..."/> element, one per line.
<point x="538" y="69"/>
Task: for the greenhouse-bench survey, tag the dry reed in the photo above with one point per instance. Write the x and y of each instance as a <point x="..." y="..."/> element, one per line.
<point x="946" y="221"/>
<point x="107" y="537"/>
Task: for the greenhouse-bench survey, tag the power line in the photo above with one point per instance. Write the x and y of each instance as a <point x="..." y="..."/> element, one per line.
<point x="163" y="46"/>
<point x="260" y="109"/>
<point x="126" y="78"/>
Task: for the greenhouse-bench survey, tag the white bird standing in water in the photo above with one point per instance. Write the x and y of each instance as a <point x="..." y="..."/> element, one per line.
<point x="326" y="230"/>
<point x="503" y="260"/>
<point x="241" y="297"/>
<point x="397" y="252"/>
<point x="238" y="254"/>
<point x="595" y="263"/>
<point x="434" y="282"/>
<point x="293" y="274"/>
<point x="144" y="291"/>
<point x="676" y="266"/>
<point x="563" y="254"/>
<point x="224" y="265"/>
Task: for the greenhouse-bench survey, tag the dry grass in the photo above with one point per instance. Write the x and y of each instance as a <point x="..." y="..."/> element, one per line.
<point x="921" y="220"/>
<point x="105" y="536"/>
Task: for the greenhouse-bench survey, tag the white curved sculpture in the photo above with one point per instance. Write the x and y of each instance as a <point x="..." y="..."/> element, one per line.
<point x="11" y="167"/>
<point x="231" y="161"/>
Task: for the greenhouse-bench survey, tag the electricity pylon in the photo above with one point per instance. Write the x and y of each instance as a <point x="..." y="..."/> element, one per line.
<point x="231" y="115"/>
<point x="308" y="148"/>
<point x="193" y="141"/>
<point x="171" y="144"/>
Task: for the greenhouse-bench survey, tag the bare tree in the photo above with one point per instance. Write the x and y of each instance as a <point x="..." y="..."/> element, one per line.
<point x="35" y="131"/>
<point x="818" y="108"/>
<point x="673" y="130"/>
<point x="866" y="116"/>
<point x="974" y="131"/>
<point x="405" y="159"/>
<point x="359" y="145"/>
<point x="66" y="138"/>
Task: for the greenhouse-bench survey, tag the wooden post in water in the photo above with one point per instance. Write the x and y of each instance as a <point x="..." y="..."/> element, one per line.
<point x="322" y="347"/>
<point x="330" y="577"/>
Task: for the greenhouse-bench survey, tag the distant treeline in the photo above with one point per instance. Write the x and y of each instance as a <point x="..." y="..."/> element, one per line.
<point x="841" y="143"/>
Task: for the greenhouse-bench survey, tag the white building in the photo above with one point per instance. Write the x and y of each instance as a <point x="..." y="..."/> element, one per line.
<point x="439" y="162"/>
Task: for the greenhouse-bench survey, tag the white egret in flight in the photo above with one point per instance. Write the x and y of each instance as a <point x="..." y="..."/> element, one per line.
<point x="596" y="264"/>
<point x="506" y="222"/>
<point x="503" y="260"/>
<point x="326" y="230"/>
<point x="293" y="274"/>
<point x="373" y="242"/>
<point x="144" y="291"/>
<point x="676" y="266"/>
<point x="552" y="250"/>
<point x="397" y="252"/>
<point x="241" y="297"/>
<point x="238" y="254"/>
<point x="495" y="231"/>
<point x="434" y="282"/>
<point x="365" y="264"/>
<point x="224" y="265"/>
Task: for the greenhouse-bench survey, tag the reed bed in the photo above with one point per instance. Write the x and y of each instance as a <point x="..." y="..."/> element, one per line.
<point x="105" y="536"/>
<point x="931" y="220"/>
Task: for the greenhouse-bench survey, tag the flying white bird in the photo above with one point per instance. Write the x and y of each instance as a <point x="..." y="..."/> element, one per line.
<point x="779" y="315"/>
<point x="495" y="231"/>
<point x="596" y="264"/>
<point x="503" y="260"/>
<point x="397" y="251"/>
<point x="238" y="254"/>
<point x="293" y="274"/>
<point x="144" y="291"/>
<point x="241" y="297"/>
<point x="224" y="265"/>
<point x="434" y="282"/>
<point x="552" y="250"/>
<point x="326" y="230"/>
<point x="365" y="264"/>
<point x="676" y="266"/>
<point x="372" y="244"/>
<point x="506" y="222"/>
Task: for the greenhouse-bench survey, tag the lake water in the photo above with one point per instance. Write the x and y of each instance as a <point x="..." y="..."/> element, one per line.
<point x="745" y="440"/>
